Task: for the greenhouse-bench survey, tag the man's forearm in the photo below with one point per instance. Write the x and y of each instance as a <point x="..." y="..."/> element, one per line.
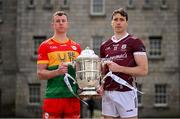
<point x="46" y="74"/>
<point x="134" y="71"/>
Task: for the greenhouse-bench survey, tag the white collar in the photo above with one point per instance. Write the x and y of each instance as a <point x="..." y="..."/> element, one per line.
<point x="113" y="38"/>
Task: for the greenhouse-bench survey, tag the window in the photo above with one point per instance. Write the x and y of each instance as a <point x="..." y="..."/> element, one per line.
<point x="37" y="41"/>
<point x="47" y="4"/>
<point x="161" y="95"/>
<point x="65" y="4"/>
<point x="155" y="46"/>
<point x="34" y="93"/>
<point x="97" y="40"/>
<point x="97" y="7"/>
<point x="147" y="4"/>
<point x="139" y="87"/>
<point x="130" y="4"/>
<point x="31" y="4"/>
<point x="163" y="4"/>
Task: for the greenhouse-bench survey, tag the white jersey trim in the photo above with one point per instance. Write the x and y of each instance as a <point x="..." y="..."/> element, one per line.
<point x="115" y="40"/>
<point x="139" y="53"/>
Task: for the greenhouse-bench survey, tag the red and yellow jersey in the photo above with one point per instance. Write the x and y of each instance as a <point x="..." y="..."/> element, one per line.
<point x="53" y="53"/>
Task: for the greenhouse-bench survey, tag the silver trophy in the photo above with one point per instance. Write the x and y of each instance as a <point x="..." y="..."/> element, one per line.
<point x="88" y="72"/>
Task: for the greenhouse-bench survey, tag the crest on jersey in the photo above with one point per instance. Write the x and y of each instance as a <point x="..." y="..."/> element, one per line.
<point x="74" y="47"/>
<point x="123" y="46"/>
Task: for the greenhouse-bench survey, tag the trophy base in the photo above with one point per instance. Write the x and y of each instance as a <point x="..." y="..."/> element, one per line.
<point x="89" y="93"/>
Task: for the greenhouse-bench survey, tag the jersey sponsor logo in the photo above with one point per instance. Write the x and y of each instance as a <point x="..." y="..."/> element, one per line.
<point x="53" y="47"/>
<point x="119" y="57"/>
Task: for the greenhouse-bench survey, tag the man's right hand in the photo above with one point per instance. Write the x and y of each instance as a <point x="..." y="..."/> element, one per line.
<point x="62" y="69"/>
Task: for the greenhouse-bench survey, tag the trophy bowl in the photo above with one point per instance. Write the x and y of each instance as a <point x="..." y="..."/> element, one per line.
<point x="88" y="72"/>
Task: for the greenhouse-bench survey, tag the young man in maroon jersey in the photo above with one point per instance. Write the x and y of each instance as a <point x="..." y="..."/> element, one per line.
<point x="128" y="59"/>
<point x="53" y="54"/>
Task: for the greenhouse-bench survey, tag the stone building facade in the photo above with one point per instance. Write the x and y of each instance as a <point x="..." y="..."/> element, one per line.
<point x="25" y="24"/>
<point x="8" y="64"/>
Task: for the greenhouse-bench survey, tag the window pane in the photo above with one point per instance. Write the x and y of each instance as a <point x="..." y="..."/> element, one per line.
<point x="97" y="7"/>
<point x="155" y="46"/>
<point x="160" y="94"/>
<point x="34" y="93"/>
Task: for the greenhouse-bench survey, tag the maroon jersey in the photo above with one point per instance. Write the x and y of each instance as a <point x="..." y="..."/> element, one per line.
<point x="122" y="54"/>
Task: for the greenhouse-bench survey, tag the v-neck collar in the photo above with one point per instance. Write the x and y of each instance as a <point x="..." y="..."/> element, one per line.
<point x="113" y="38"/>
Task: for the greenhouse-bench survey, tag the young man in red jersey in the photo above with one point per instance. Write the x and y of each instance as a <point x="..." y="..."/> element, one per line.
<point x="59" y="101"/>
<point x="128" y="59"/>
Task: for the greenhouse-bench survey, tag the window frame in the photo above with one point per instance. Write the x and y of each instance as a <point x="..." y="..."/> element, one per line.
<point x="36" y="96"/>
<point x="153" y="50"/>
<point x="93" y="13"/>
<point x="160" y="95"/>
